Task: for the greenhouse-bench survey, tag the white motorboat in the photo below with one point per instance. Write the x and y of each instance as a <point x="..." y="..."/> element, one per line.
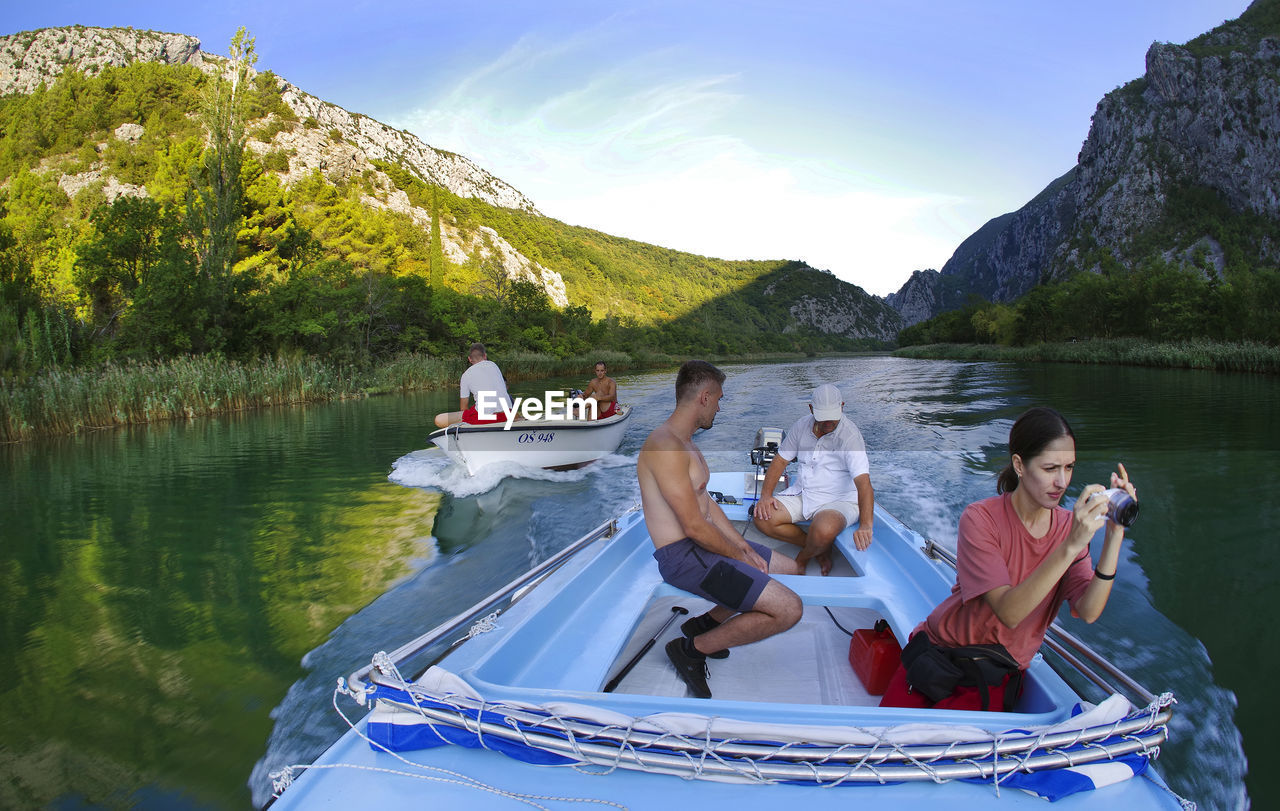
<point x="558" y="444"/>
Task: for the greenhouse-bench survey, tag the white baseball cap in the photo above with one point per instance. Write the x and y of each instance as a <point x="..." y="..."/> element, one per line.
<point x="828" y="403"/>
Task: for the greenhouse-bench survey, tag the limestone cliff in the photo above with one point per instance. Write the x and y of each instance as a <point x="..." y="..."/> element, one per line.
<point x="337" y="142"/>
<point x="32" y="57"/>
<point x="1205" y="116"/>
<point x="817" y="300"/>
<point x="926" y="294"/>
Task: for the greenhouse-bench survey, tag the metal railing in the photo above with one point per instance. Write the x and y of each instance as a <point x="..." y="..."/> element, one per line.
<point x="690" y="755"/>
<point x="355" y="681"/>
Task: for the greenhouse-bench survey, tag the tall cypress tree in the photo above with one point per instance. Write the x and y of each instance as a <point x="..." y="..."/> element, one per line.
<point x="436" y="251"/>
<point x="218" y="185"/>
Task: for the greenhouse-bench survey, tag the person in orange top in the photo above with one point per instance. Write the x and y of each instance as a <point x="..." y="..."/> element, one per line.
<point x="1020" y="556"/>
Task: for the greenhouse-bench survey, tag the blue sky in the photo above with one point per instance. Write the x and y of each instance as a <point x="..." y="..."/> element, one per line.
<point x="866" y="138"/>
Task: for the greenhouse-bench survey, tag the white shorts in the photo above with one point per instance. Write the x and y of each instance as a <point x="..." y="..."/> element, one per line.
<point x="795" y="506"/>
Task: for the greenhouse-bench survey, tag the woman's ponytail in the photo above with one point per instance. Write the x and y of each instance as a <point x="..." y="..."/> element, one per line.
<point x="1008" y="480"/>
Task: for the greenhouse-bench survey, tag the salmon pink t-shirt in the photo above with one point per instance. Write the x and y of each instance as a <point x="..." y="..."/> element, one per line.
<point x="995" y="549"/>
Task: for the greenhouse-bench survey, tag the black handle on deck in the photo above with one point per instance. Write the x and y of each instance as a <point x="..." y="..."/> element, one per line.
<point x="676" y="611"/>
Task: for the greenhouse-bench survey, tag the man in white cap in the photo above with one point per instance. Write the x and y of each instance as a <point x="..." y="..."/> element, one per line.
<point x="831" y="490"/>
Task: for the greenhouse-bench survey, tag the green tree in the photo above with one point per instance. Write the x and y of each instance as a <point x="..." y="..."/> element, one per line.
<point x="494" y="283"/>
<point x="124" y="246"/>
<point x="17" y="298"/>
<point x="141" y="282"/>
<point x="436" y="251"/>
<point x="169" y="315"/>
<point x="218" y="184"/>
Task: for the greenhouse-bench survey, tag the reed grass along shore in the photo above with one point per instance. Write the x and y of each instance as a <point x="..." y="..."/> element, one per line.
<point x="1197" y="353"/>
<point x="69" y="401"/>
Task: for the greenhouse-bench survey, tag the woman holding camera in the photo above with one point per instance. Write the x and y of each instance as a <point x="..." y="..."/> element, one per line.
<point x="1020" y="555"/>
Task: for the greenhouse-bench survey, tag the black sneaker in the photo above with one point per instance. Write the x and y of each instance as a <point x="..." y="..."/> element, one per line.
<point x="700" y="625"/>
<point x="690" y="667"/>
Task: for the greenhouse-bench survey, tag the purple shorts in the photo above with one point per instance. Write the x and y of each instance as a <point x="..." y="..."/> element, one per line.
<point x="724" y="581"/>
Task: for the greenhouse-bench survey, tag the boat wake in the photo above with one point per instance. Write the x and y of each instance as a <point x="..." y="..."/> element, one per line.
<point x="430" y="468"/>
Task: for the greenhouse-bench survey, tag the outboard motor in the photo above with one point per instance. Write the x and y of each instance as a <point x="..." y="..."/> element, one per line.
<point x="767" y="442"/>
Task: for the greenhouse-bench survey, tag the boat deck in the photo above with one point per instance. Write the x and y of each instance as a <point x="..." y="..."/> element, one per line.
<point x="602" y="607"/>
<point x="815" y="651"/>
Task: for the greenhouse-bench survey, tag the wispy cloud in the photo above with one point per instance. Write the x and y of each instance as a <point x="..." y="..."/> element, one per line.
<point x="641" y="147"/>
<point x="736" y="206"/>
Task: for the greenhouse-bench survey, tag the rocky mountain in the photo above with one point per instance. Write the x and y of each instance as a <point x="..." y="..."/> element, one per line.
<point x="819" y="301"/>
<point x="1202" y="124"/>
<point x="346" y="146"/>
<point x="338" y="143"/>
<point x="925" y="294"/>
<point x="30" y="58"/>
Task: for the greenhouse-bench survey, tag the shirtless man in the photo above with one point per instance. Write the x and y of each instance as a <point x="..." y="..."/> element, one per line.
<point x="696" y="546"/>
<point x="604" y="391"/>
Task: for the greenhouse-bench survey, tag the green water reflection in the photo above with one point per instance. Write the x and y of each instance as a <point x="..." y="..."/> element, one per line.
<point x="159" y="587"/>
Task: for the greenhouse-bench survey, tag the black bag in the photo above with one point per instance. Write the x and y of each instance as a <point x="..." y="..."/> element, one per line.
<point x="935" y="672"/>
<point x="930" y="672"/>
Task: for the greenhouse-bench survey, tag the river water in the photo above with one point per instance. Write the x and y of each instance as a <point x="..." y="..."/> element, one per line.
<point x="176" y="602"/>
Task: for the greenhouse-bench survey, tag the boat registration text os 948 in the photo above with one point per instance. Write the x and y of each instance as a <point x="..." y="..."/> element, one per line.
<point x="554" y="406"/>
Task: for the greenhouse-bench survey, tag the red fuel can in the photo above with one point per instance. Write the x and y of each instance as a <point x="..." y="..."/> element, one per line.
<point x="874" y="654"/>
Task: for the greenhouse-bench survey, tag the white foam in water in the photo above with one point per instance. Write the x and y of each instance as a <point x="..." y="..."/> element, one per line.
<point x="612" y="460"/>
<point x="432" y="469"/>
<point x="907" y="484"/>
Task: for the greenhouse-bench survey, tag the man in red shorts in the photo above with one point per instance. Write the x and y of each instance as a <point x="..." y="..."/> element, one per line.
<point x="483" y="380"/>
<point x="604" y="391"/>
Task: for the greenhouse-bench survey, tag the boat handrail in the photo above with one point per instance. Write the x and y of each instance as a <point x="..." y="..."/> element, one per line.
<point x="355" y="682"/>
<point x="1066" y="644"/>
<point x="883" y="761"/>
<point x="465" y="712"/>
<point x="457" y="444"/>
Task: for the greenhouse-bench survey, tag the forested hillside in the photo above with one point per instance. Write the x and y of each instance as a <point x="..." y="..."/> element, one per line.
<point x="151" y="210"/>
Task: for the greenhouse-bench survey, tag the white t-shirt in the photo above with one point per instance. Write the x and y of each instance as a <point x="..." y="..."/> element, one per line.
<point x="485" y="376"/>
<point x="828" y="465"/>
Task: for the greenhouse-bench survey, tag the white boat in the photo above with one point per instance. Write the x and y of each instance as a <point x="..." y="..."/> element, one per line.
<point x="556" y="444"/>
<point x="555" y="691"/>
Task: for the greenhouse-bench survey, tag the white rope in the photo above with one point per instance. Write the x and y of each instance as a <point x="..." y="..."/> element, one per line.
<point x="1187" y="805"/>
<point x="698" y="752"/>
<point x="484" y="625"/>
<point x="283" y="778"/>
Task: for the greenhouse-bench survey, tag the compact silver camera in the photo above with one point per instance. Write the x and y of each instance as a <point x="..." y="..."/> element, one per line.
<point x="1121" y="507"/>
